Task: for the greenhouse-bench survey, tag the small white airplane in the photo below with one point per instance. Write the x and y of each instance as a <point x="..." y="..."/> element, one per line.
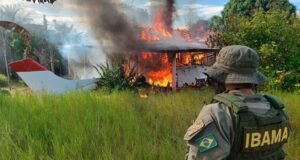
<point x="40" y="79"/>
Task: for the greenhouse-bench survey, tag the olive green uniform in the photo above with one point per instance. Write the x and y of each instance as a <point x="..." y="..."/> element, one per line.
<point x="213" y="135"/>
<point x="236" y="126"/>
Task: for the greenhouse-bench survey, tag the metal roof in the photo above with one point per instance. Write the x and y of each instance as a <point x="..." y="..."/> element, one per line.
<point x="175" y="46"/>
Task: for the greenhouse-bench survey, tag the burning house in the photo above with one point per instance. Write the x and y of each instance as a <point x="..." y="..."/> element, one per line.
<point x="173" y="57"/>
<point x="165" y="56"/>
<point x="175" y="64"/>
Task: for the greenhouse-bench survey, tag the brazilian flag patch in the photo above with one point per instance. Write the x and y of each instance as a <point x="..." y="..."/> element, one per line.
<point x="206" y="143"/>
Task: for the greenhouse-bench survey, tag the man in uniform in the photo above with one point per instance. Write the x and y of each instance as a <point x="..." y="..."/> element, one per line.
<point x="239" y="124"/>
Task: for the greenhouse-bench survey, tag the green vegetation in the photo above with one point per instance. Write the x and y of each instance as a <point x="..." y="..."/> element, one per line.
<point x="104" y="126"/>
<point x="291" y="102"/>
<point x="114" y="77"/>
<point x="3" y="80"/>
<point x="247" y="7"/>
<point x="120" y="125"/>
<point x="46" y="42"/>
<point x="272" y="29"/>
<point x="276" y="38"/>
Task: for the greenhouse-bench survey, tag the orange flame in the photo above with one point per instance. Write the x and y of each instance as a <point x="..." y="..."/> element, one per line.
<point x="157" y="66"/>
<point x="186" y="59"/>
<point x="159" y="24"/>
<point x="198" y="58"/>
<point x="162" y="77"/>
<point x="147" y="36"/>
<point x="185" y="34"/>
<point x="158" y="29"/>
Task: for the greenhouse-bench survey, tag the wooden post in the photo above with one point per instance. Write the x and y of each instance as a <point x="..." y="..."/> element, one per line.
<point x="174" y="79"/>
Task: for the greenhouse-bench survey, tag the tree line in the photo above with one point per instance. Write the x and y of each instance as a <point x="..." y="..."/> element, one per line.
<point x="272" y="28"/>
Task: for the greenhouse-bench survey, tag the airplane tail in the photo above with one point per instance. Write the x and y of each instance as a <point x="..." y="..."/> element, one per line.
<point x="40" y="79"/>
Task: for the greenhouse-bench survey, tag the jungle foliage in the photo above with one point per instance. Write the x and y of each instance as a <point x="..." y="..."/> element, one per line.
<point x="114" y="77"/>
<point x="274" y="33"/>
<point x="248" y="7"/>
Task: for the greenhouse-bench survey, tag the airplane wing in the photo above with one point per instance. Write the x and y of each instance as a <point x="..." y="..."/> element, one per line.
<point x="40" y="79"/>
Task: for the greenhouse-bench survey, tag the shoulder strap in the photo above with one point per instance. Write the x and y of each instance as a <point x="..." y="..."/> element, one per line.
<point x="275" y="101"/>
<point x="236" y="103"/>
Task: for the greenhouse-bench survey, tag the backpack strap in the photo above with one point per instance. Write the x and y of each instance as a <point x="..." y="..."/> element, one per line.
<point x="236" y="103"/>
<point x="275" y="101"/>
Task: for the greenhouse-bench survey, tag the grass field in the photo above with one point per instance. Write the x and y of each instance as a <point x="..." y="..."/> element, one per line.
<point x="117" y="126"/>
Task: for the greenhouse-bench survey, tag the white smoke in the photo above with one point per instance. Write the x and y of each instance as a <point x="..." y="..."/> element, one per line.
<point x="81" y="58"/>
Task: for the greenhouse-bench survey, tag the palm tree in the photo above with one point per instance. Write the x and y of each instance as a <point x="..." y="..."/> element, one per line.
<point x="14" y="13"/>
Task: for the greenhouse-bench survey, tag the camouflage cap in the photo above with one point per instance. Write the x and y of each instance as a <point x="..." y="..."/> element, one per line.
<point x="236" y="64"/>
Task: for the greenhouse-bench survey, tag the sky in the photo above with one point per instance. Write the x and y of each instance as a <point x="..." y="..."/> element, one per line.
<point x="64" y="12"/>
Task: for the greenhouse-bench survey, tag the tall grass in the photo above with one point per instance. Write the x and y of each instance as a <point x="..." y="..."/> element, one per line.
<point x="3" y="81"/>
<point x="106" y="126"/>
<point x="292" y="103"/>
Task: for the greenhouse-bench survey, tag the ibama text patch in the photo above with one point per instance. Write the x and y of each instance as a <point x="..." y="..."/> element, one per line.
<point x="263" y="138"/>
